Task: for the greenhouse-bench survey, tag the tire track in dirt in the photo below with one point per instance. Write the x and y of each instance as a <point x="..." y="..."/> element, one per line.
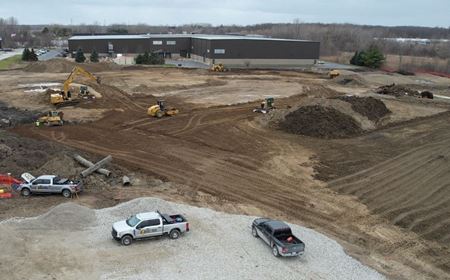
<point x="411" y="189"/>
<point x="219" y="152"/>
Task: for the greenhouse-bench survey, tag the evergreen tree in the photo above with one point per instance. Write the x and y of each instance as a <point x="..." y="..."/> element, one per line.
<point x="146" y="58"/>
<point x="373" y="58"/>
<point x="353" y="60"/>
<point x="26" y="54"/>
<point x="33" y="56"/>
<point x="79" y="56"/>
<point x="94" y="56"/>
<point x="139" y="59"/>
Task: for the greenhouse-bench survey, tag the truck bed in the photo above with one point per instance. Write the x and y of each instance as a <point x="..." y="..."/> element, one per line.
<point x="172" y="219"/>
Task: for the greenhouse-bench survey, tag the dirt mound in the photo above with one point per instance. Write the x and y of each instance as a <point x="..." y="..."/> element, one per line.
<point x="67" y="216"/>
<point x="372" y="108"/>
<point x="59" y="65"/>
<point x="23" y="154"/>
<point x="397" y="90"/>
<point x="63" y="165"/>
<point x="349" y="80"/>
<point x="15" y="116"/>
<point x="321" y="122"/>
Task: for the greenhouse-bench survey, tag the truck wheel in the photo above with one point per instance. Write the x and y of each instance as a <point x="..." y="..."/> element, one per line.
<point x="66" y="193"/>
<point x="174" y="234"/>
<point x="275" y="251"/>
<point x="159" y="114"/>
<point x="25" y="192"/>
<point x="254" y="232"/>
<point x="126" y="240"/>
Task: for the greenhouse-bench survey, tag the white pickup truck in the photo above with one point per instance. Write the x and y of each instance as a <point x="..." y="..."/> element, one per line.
<point x="48" y="184"/>
<point x="148" y="225"/>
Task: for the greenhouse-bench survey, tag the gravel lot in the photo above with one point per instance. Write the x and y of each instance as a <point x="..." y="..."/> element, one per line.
<point x="74" y="242"/>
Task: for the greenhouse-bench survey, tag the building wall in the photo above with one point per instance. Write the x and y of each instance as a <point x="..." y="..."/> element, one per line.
<point x="264" y="49"/>
<point x="232" y="52"/>
<point x="132" y="46"/>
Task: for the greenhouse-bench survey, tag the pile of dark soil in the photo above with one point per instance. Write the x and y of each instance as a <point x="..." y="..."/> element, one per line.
<point x="397" y="90"/>
<point x="372" y="108"/>
<point x="321" y="122"/>
<point x="10" y="116"/>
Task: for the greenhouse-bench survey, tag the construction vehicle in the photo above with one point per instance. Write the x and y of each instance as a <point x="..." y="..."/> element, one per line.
<point x="334" y="74"/>
<point x="51" y="118"/>
<point x="84" y="91"/>
<point x="64" y="98"/>
<point x="218" y="68"/>
<point x="266" y="106"/>
<point x="160" y="110"/>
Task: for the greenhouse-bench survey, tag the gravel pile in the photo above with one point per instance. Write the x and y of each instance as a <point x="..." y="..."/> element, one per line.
<point x="219" y="246"/>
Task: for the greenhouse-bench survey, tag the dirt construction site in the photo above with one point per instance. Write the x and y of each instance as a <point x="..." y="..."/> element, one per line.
<point x="361" y="174"/>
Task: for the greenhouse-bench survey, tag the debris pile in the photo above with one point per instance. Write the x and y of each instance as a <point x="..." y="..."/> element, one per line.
<point x="398" y="90"/>
<point x="322" y="122"/>
<point x="372" y="108"/>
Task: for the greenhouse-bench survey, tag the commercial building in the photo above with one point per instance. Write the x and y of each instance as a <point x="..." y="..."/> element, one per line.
<point x="231" y="50"/>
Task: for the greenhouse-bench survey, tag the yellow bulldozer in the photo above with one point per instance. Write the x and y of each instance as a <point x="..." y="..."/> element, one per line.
<point x="334" y="74"/>
<point x="51" y="118"/>
<point x="218" y="68"/>
<point x="160" y="110"/>
<point x="64" y="98"/>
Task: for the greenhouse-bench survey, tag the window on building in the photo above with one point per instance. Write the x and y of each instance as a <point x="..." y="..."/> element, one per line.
<point x="171" y="43"/>
<point x="157" y="42"/>
<point x="219" y="51"/>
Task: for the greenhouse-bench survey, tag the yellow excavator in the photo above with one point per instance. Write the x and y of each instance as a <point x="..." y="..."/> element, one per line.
<point x="64" y="98"/>
<point x="160" y="110"/>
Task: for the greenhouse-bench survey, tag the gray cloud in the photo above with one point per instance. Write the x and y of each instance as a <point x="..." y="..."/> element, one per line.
<point x="241" y="12"/>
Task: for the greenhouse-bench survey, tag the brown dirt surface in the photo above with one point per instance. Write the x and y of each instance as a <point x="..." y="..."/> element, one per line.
<point x="221" y="157"/>
<point x="319" y="121"/>
<point x="61" y="65"/>
<point x="372" y="108"/>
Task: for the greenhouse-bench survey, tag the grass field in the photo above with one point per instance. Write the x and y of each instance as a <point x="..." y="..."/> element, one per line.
<point x="10" y="61"/>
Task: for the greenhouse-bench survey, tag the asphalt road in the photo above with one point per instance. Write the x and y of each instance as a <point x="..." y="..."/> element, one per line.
<point x="5" y="55"/>
<point x="50" y="54"/>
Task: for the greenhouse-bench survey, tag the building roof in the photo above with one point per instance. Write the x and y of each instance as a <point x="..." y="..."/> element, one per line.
<point x="198" y="36"/>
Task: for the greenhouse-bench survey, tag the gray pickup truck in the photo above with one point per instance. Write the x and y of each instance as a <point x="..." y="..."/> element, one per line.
<point x="278" y="236"/>
<point x="148" y="225"/>
<point x="48" y="184"/>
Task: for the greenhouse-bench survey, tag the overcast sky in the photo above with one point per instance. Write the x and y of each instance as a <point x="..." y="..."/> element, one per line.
<point x="241" y="12"/>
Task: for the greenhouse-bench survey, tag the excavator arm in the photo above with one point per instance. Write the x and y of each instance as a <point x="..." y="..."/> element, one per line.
<point x="75" y="72"/>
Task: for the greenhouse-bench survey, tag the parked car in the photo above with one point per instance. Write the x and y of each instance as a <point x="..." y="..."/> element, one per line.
<point x="149" y="225"/>
<point x="278" y="236"/>
<point x="48" y="184"/>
